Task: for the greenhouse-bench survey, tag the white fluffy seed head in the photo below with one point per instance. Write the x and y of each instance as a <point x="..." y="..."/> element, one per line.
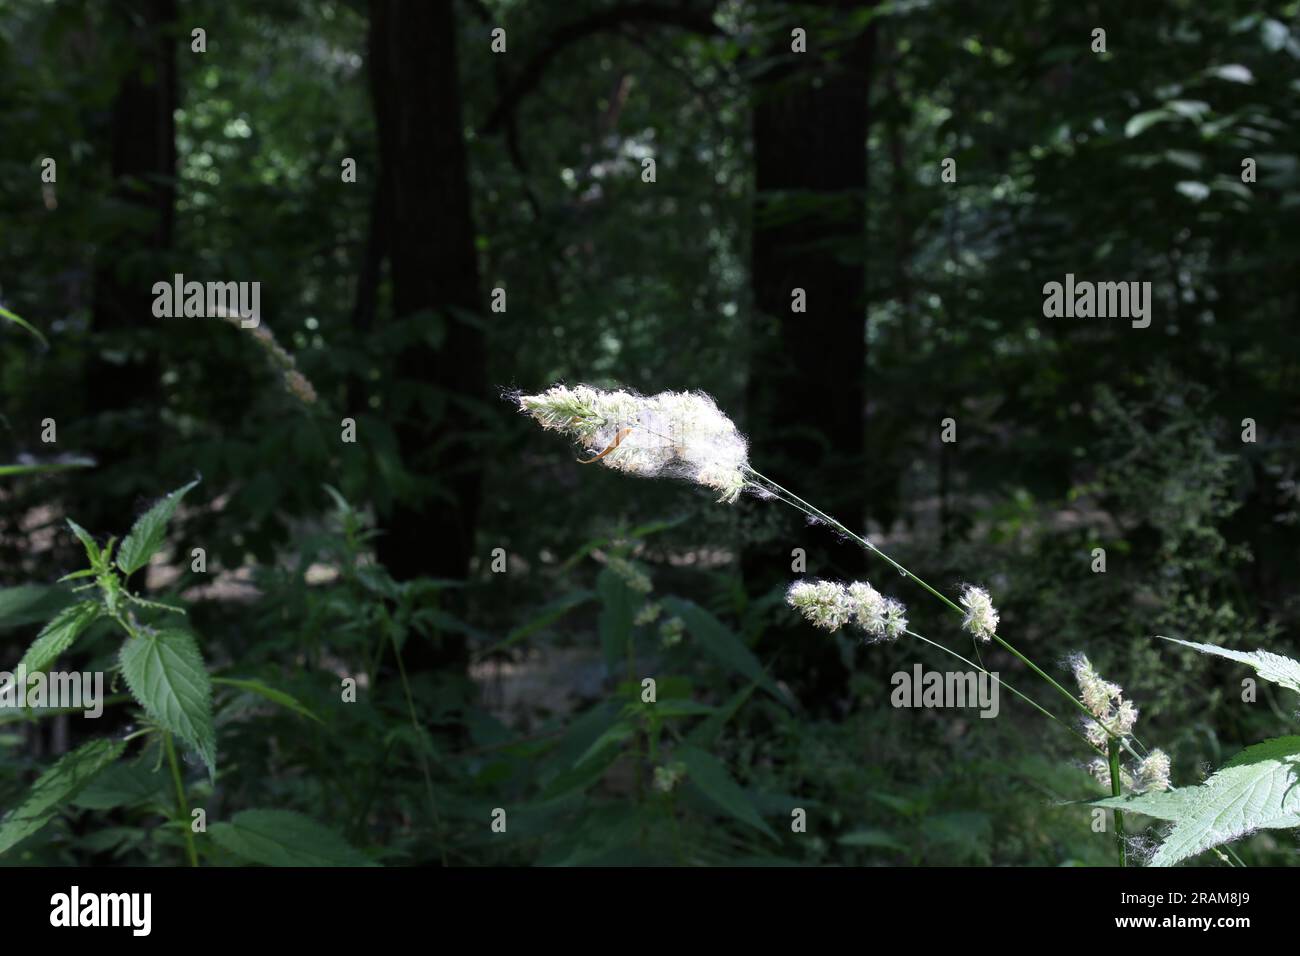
<point x="825" y="604"/>
<point x="1153" y="772"/>
<point x="895" y="619"/>
<point x="677" y="434"/>
<point x="981" y="617"/>
<point x="831" y="605"/>
<point x="1095" y="693"/>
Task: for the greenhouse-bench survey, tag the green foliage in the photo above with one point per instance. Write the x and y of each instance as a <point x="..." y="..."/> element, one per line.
<point x="54" y="788"/>
<point x="282" y="838"/>
<point x="1259" y="789"/>
<point x="147" y="533"/>
<point x="166" y="674"/>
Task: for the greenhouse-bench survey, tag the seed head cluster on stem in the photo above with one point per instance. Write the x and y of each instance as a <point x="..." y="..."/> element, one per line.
<point x="831" y="605"/>
<point x="672" y="434"/>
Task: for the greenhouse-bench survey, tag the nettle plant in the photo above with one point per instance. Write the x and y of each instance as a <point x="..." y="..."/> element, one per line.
<point x="166" y="675"/>
<point x="685" y="435"/>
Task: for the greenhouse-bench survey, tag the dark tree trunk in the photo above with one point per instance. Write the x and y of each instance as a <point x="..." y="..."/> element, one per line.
<point x="806" y="391"/>
<point x="430" y="243"/>
<point x="131" y="258"/>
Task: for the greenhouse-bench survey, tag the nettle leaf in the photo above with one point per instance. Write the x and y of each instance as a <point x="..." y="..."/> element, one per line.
<point x="1272" y="667"/>
<point x="56" y="787"/>
<point x="710" y="776"/>
<point x="147" y="533"/>
<point x="87" y="541"/>
<point x="1259" y="789"/>
<point x="165" y="673"/>
<point x="285" y="838"/>
<point x="58" y="635"/>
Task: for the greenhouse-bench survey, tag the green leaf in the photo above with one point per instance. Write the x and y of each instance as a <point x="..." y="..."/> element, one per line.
<point x="1259" y="789"/>
<point x="125" y="784"/>
<point x="46" y="467"/>
<point x="23" y="324"/>
<point x="165" y="673"/>
<point x="1143" y="121"/>
<point x="147" y="533"/>
<point x="618" y="607"/>
<point x="1272" y="667"/>
<point x="30" y="604"/>
<point x="270" y="693"/>
<point x="718" y="641"/>
<point x="87" y="542"/>
<point x="545" y="616"/>
<point x="612" y="737"/>
<point x="56" y="787"/>
<point x="285" y="838"/>
<point x="58" y="635"/>
<point x="708" y="774"/>
<point x="1232" y="72"/>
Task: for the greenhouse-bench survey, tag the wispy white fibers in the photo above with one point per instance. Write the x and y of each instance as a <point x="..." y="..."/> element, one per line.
<point x="831" y="605"/>
<point x="981" y="618"/>
<point x="677" y="434"/>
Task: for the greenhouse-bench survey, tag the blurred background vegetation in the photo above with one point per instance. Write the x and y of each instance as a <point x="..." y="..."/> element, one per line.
<point x="522" y="171"/>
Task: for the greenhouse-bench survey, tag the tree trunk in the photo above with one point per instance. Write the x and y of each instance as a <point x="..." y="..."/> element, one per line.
<point x="806" y="390"/>
<point x="125" y="394"/>
<point x="430" y="244"/>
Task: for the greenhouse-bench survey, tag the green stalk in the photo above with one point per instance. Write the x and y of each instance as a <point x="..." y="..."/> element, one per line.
<point x="799" y="504"/>
<point x="1115" y="792"/>
<point x="181" y="802"/>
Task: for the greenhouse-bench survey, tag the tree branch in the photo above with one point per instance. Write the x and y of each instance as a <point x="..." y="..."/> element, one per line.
<point x="696" y="20"/>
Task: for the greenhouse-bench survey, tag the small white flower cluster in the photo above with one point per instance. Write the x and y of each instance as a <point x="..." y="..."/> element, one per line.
<point x="679" y="434"/>
<point x="831" y="605"/>
<point x="1116" y="717"/>
<point x="981" y="616"/>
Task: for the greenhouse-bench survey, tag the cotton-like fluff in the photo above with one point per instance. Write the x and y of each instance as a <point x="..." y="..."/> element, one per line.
<point x="825" y="604"/>
<point x="831" y="605"/>
<point x="981" y="617"/>
<point x="676" y="434"/>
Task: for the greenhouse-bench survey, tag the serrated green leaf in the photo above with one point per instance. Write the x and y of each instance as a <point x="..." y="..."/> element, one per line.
<point x="58" y="635"/>
<point x="270" y="693"/>
<point x="1272" y="667"/>
<point x="709" y="775"/>
<point x="284" y="838"/>
<point x="56" y="787"/>
<point x="165" y="673"/>
<point x="1259" y="789"/>
<point x="148" y="532"/>
<point x="87" y="541"/>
